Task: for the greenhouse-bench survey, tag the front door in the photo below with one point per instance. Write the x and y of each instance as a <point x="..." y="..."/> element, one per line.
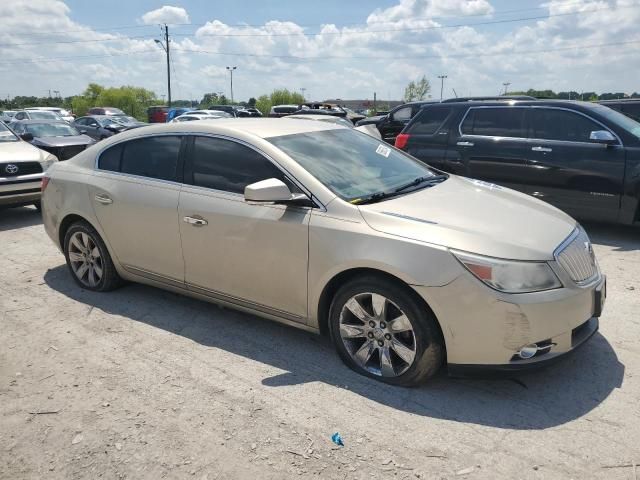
<point x="395" y="122"/>
<point x="135" y="194"/>
<point x="492" y="146"/>
<point x="251" y="255"/>
<point x="570" y="171"/>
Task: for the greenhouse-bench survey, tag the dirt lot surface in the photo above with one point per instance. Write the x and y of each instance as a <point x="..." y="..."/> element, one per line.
<point x="140" y="383"/>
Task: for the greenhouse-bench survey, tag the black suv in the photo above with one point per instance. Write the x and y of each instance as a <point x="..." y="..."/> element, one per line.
<point x="629" y="106"/>
<point x="582" y="157"/>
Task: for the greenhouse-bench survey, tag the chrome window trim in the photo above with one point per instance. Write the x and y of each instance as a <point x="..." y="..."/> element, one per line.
<point x="464" y="117"/>
<point x="304" y="189"/>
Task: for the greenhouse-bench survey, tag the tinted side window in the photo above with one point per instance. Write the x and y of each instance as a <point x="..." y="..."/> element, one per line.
<point x="110" y="159"/>
<point x="551" y="124"/>
<point x="403" y="114"/>
<point x="429" y="120"/>
<point x="495" y="122"/>
<point x="229" y="166"/>
<point x="153" y="157"/>
<point x="632" y="110"/>
<point x="81" y="121"/>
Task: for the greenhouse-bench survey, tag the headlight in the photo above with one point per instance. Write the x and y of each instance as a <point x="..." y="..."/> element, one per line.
<point x="47" y="162"/>
<point x="510" y="276"/>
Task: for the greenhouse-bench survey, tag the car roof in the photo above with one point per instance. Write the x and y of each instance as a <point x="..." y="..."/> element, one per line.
<point x="240" y="127"/>
<point x="315" y="116"/>
<point x="42" y="120"/>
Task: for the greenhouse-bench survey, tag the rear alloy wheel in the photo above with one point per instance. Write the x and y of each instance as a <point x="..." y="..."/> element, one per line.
<point x="384" y="332"/>
<point x="88" y="259"/>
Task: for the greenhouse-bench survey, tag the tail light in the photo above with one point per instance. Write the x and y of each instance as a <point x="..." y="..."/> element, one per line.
<point x="401" y="140"/>
<point x="45" y="182"/>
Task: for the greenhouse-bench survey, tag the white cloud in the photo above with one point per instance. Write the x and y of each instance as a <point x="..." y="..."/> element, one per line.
<point x="391" y="47"/>
<point x="166" y="14"/>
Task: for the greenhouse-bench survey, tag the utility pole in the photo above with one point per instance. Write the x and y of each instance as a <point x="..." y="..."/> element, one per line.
<point x="165" y="47"/>
<point x="231" y="69"/>
<point x="441" y="77"/>
<point x="375" y="108"/>
<point x="302" y="90"/>
<point x="506" y="85"/>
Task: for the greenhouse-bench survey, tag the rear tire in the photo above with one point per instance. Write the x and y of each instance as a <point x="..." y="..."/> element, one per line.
<point x="391" y="337"/>
<point x="88" y="259"/>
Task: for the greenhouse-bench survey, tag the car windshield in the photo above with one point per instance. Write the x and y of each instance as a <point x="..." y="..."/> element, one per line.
<point x="351" y="165"/>
<point x="51" y="129"/>
<point x="6" y="135"/>
<point x="43" y="115"/>
<point x="124" y="119"/>
<point x="104" y="121"/>
<point x="619" y="119"/>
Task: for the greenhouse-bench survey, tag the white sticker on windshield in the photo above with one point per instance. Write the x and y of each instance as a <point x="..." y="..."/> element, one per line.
<point x="383" y="150"/>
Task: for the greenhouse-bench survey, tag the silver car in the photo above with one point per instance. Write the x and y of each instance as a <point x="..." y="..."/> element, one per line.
<point x="322" y="228"/>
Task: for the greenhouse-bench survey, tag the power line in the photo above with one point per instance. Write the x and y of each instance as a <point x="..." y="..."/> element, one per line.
<point x="396" y="57"/>
<point x="411" y="29"/>
<point x="76" y="57"/>
<point x="127" y="27"/>
<point x="119" y="39"/>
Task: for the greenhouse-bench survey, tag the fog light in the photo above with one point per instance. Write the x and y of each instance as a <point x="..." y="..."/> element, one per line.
<point x="528" y="351"/>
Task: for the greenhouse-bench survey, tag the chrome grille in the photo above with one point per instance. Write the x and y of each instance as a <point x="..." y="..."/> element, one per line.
<point x="577" y="258"/>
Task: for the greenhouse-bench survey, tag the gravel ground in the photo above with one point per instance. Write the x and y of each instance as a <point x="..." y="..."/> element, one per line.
<point x="141" y="383"/>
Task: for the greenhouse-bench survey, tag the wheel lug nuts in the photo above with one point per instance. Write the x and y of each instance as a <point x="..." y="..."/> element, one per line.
<point x="370" y="335"/>
<point x="372" y="324"/>
<point x="383" y="325"/>
<point x="380" y="343"/>
<point x="387" y="336"/>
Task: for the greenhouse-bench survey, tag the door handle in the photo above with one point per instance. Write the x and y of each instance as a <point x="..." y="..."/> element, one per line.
<point x="195" y="221"/>
<point x="465" y="144"/>
<point x="542" y="149"/>
<point x="104" y="199"/>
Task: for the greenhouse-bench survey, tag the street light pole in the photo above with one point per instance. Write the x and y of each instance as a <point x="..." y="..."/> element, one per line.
<point x="165" y="47"/>
<point x="441" y="77"/>
<point x="506" y="85"/>
<point x="231" y="69"/>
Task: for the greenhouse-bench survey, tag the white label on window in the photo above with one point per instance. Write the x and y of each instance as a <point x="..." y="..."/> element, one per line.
<point x="384" y="151"/>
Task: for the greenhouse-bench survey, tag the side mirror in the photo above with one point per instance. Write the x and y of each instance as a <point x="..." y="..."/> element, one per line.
<point x="273" y="190"/>
<point x="83" y="131"/>
<point x="602" y="136"/>
<point x="27" y="137"/>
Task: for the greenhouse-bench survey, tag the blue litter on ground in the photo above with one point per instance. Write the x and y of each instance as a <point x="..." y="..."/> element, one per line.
<point x="337" y="439"/>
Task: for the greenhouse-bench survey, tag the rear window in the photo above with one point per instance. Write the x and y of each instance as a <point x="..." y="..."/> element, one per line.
<point x="152" y="157"/>
<point x="495" y="122"/>
<point x="429" y="120"/>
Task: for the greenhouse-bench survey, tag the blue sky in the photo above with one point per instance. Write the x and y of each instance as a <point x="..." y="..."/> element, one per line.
<point x="333" y="49"/>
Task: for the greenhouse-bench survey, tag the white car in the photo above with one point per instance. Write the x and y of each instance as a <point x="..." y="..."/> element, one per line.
<point x="61" y="112"/>
<point x="22" y="167"/>
<point x="368" y="129"/>
<point x="190" y="116"/>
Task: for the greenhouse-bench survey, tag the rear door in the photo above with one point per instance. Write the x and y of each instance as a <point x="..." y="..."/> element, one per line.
<point x="429" y="135"/>
<point x="571" y="171"/>
<point x="135" y="194"/>
<point x="492" y="146"/>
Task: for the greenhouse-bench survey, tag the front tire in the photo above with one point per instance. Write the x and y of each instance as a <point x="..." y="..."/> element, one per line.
<point x="381" y="330"/>
<point x="88" y="259"/>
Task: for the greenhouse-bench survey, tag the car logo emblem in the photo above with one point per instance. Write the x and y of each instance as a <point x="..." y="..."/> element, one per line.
<point x="11" y="169"/>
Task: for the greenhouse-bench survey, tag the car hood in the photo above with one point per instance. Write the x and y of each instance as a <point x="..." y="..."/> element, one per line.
<point x="62" y="141"/>
<point x="474" y="216"/>
<point x="21" y="152"/>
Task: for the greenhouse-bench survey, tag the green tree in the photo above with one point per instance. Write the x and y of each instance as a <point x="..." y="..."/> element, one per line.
<point x="263" y="103"/>
<point x="417" y="90"/>
<point x="251" y="102"/>
<point x="132" y="100"/>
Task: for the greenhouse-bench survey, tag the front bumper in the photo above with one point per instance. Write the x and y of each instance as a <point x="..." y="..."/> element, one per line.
<point x="23" y="191"/>
<point x="484" y="329"/>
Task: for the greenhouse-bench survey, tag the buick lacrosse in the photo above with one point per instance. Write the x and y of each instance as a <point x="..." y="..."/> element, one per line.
<point x="330" y="230"/>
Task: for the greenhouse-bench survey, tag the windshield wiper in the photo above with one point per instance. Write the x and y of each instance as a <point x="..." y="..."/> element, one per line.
<point x="378" y="196"/>
<point x="420" y="180"/>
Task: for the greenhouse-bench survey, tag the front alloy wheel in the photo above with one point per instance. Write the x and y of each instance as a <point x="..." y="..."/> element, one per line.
<point x="384" y="330"/>
<point x="377" y="334"/>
